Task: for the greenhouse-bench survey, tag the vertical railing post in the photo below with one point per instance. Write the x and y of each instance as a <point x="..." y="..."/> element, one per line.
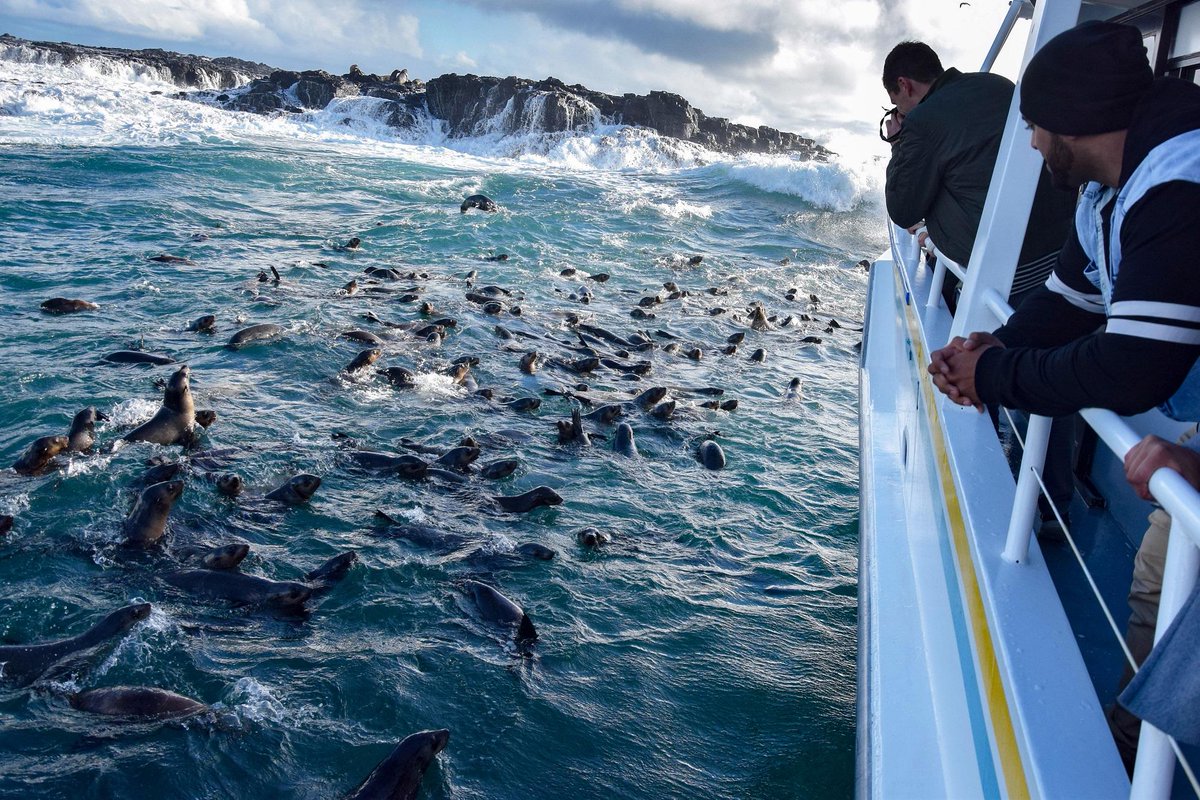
<point x="935" y="289"/>
<point x="1020" y="524"/>
<point x="914" y="254"/>
<point x="1154" y="770"/>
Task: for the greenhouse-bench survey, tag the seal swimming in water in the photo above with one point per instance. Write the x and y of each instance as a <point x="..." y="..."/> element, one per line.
<point x="710" y="454"/>
<point x="82" y="435"/>
<point x="255" y="333"/>
<point x="605" y="414"/>
<point x="206" y="417"/>
<point x="363" y="360"/>
<point x="142" y="702"/>
<point x="176" y="416"/>
<point x="572" y="431"/>
<point x="167" y="258"/>
<point x="36" y="458"/>
<point x="500" y="469"/>
<point x="495" y="607"/>
<point x="592" y="538"/>
<point x="623" y="442"/>
<point x="460" y="458"/>
<point x="793" y="390"/>
<point x="650" y="397"/>
<point x="398" y="777"/>
<point x="398" y="376"/>
<point x="241" y="588"/>
<point x="147" y="522"/>
<point x="408" y="466"/>
<point x="137" y="357"/>
<point x="534" y="498"/>
<point x="23" y="663"/>
<point x="366" y="337"/>
<point x="297" y="489"/>
<point x="62" y="305"/>
<point x="482" y="202"/>
<point x="6" y="523"/>
<point x="204" y="324"/>
<point x="332" y="571"/>
<point x="230" y="484"/>
<point x="227" y="556"/>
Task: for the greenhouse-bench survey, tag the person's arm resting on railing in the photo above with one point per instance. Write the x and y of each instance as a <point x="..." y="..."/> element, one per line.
<point x="1150" y="340"/>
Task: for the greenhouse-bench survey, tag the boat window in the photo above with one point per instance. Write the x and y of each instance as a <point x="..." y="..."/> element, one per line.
<point x="1187" y="38"/>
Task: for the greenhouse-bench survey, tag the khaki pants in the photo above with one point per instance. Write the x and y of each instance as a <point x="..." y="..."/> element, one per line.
<point x="1145" y="590"/>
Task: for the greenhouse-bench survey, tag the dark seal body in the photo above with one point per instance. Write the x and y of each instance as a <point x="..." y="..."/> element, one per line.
<point x="147" y="522"/>
<point x="82" y="435"/>
<point x="623" y="442"/>
<point x="37" y="456"/>
<point x="711" y="455"/>
<point x="297" y="489"/>
<point x="23" y="663"/>
<point x="175" y="418"/>
<point x="406" y="465"/>
<point x="140" y="702"/>
<point x="534" y="498"/>
<point x="495" y="607"/>
<point x="255" y="333"/>
<point x="137" y="357"/>
<point x="240" y="588"/>
<point x="62" y="305"/>
<point x="398" y="777"/>
<point x="480" y="201"/>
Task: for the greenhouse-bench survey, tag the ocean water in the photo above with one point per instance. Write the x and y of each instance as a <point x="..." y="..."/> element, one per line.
<point x="707" y="651"/>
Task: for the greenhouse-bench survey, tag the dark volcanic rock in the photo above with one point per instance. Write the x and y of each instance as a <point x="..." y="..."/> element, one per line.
<point x="182" y="70"/>
<point x="468" y="105"/>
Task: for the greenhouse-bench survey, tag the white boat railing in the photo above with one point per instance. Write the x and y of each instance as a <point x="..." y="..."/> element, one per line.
<point x="1155" y="766"/>
<point x="1018" y="9"/>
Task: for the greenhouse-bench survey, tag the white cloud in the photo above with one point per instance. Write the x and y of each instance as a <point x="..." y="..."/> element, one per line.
<point x="801" y="65"/>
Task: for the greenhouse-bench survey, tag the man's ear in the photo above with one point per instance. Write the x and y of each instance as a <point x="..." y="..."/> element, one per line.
<point x="905" y="86"/>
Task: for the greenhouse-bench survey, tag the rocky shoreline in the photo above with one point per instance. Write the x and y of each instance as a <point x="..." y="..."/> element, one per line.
<point x="467" y="105"/>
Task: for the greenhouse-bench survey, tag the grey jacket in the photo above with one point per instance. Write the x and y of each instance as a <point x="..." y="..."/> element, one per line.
<point x="942" y="163"/>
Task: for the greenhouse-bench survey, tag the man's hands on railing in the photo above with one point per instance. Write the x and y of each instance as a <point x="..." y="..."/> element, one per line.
<point x="953" y="367"/>
<point x="1152" y="454"/>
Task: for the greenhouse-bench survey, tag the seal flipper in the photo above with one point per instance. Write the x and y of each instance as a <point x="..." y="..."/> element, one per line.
<point x="526" y="631"/>
<point x="332" y="570"/>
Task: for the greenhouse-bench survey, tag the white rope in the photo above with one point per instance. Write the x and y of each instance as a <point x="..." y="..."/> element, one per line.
<point x="1112" y="624"/>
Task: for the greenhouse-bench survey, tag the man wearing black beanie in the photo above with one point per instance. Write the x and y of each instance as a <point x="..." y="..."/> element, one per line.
<point x="1101" y="120"/>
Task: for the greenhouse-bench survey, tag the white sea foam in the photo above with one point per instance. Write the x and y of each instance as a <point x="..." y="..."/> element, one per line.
<point x="432" y="385"/>
<point x="834" y="185"/>
<point x="15" y="504"/>
<point x="91" y="105"/>
<point x="250" y="700"/>
<point x="138" y="646"/>
<point x="130" y="412"/>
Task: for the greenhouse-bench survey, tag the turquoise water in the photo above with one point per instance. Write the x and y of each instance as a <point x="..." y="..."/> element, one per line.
<point x="707" y="651"/>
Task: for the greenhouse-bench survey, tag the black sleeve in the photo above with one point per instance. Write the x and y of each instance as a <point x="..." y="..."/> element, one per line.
<point x="1122" y="373"/>
<point x="1047" y="319"/>
<point x="1151" y="337"/>
<point x="913" y="176"/>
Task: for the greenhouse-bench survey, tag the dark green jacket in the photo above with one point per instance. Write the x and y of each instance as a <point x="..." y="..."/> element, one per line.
<point x="942" y="163"/>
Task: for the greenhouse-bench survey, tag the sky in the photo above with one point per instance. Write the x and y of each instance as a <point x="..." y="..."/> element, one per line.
<point x="807" y="66"/>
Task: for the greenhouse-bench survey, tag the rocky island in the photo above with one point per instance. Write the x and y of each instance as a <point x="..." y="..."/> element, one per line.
<point x="467" y="105"/>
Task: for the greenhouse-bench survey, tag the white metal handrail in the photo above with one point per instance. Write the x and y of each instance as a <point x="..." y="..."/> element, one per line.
<point x="1018" y="9"/>
<point x="942" y="265"/>
<point x="1154" y="768"/>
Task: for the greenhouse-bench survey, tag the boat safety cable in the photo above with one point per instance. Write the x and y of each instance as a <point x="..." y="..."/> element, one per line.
<point x="1112" y="624"/>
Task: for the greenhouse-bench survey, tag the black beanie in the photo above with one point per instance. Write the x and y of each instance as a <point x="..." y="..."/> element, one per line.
<point x="1086" y="80"/>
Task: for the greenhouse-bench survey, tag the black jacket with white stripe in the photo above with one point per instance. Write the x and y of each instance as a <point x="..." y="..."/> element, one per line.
<point x="1059" y="357"/>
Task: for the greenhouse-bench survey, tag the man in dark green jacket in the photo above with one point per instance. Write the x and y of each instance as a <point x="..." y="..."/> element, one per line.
<point x="945" y="137"/>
